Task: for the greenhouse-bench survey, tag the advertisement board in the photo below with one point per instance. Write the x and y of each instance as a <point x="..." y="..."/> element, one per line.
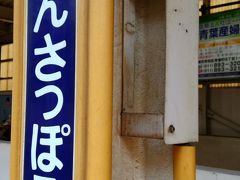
<point x="219" y="45"/>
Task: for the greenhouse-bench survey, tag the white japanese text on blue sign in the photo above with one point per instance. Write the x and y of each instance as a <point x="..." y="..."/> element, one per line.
<point x="50" y="90"/>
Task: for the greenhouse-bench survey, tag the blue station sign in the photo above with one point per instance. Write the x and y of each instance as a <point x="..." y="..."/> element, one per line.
<point x="50" y="90"/>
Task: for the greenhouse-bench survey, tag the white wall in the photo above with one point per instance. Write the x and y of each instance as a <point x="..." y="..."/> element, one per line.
<point x="206" y="173"/>
<point x="4" y="160"/>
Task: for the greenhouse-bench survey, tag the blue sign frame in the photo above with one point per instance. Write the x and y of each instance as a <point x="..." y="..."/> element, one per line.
<point x="50" y="90"/>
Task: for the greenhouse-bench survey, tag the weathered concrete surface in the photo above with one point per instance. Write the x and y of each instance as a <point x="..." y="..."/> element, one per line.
<point x="134" y="158"/>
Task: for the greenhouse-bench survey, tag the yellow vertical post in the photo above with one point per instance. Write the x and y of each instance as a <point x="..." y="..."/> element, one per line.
<point x="18" y="81"/>
<point x="81" y="90"/>
<point x="184" y="162"/>
<point x="99" y="120"/>
<point x="94" y="90"/>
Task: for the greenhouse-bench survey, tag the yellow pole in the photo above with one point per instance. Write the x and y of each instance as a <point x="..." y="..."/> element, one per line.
<point x="81" y="90"/>
<point x="184" y="162"/>
<point x="99" y="117"/>
<point x="93" y="154"/>
<point x="18" y="81"/>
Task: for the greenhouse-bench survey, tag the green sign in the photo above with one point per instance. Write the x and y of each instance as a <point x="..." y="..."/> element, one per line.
<point x="219" y="45"/>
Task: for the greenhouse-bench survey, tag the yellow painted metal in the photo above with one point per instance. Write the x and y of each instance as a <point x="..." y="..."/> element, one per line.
<point x="18" y="81"/>
<point x="184" y="162"/>
<point x="82" y="91"/>
<point x="99" y="119"/>
<point x="94" y="90"/>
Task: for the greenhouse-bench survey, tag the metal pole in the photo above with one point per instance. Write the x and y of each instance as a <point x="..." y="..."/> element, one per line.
<point x="99" y="117"/>
<point x="93" y="157"/>
<point x="17" y="109"/>
<point x="184" y="162"/>
<point x="205" y="7"/>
